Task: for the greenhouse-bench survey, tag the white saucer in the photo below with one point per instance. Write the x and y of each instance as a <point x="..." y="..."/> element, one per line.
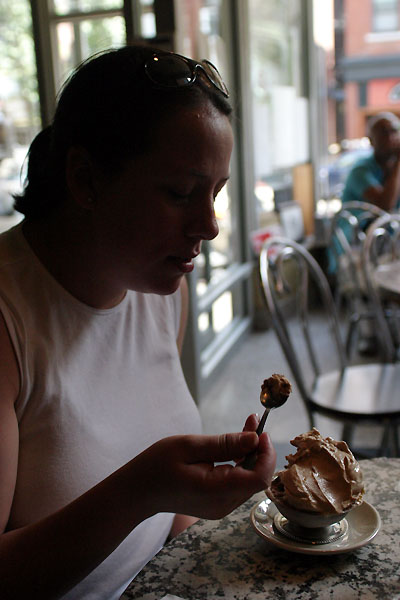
<point x="363" y="524"/>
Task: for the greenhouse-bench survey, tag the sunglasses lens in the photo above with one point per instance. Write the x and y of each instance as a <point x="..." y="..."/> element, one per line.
<point x="175" y="71"/>
<point x="169" y="71"/>
<point x="214" y="75"/>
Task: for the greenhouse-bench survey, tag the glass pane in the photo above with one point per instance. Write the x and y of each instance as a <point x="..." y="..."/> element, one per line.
<point x="63" y="7"/>
<point x="357" y="94"/>
<point x="200" y="27"/>
<point x="385" y="22"/>
<point x="217" y="319"/>
<point x="216" y="255"/>
<point x="203" y="322"/>
<point x="148" y="25"/>
<point x="19" y="103"/>
<point x="385" y="15"/>
<point x="280" y="108"/>
<point x="76" y="41"/>
<point x="147" y="18"/>
<point x="222" y="312"/>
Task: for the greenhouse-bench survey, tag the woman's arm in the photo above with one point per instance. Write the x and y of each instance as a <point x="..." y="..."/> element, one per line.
<point x="9" y="387"/>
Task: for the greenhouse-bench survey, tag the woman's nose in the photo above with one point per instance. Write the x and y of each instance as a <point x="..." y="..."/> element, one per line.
<point x="203" y="224"/>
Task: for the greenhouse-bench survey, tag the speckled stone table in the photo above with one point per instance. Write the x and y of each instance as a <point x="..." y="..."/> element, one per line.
<point x="227" y="559"/>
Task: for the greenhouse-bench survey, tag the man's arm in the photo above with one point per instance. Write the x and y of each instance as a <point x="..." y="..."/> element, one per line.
<point x="385" y="196"/>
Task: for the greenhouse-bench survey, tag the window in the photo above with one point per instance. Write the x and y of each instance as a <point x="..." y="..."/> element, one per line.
<point x="19" y="101"/>
<point x="280" y="107"/>
<point x="221" y="280"/>
<point x="385" y="15"/>
<point x="81" y="28"/>
<point x="201" y="37"/>
<point x="147" y="18"/>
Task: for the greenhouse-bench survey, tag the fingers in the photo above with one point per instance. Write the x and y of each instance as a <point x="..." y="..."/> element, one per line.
<point x="224" y="447"/>
<point x="266" y="459"/>
<point x="234" y="447"/>
<point x="257" y="478"/>
<point x="235" y="484"/>
<point x="251" y="422"/>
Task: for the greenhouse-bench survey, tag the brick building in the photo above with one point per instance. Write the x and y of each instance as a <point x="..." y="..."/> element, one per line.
<point x="368" y="60"/>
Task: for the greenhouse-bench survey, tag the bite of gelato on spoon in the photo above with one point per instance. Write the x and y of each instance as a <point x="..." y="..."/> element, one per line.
<point x="275" y="391"/>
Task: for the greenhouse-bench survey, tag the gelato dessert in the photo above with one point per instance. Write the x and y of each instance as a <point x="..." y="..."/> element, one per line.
<point x="277" y="387"/>
<point x="322" y="477"/>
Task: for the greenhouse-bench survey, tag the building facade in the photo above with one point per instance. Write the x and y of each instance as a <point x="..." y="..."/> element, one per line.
<point x="370" y="63"/>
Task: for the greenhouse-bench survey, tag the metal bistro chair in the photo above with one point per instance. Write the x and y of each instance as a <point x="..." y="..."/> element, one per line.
<point x="381" y="268"/>
<point x="348" y="232"/>
<point x="298" y="298"/>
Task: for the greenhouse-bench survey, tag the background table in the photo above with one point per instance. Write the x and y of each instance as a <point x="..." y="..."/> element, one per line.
<point x="387" y="278"/>
<point x="227" y="559"/>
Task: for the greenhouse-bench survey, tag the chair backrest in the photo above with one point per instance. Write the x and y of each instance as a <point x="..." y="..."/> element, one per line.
<point x="381" y="267"/>
<point x="291" y="277"/>
<point x="348" y="232"/>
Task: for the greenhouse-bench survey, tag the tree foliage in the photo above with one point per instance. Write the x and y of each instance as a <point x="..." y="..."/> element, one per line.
<point x="17" y="56"/>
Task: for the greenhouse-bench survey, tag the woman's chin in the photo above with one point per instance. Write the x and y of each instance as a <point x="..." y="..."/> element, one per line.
<point x="162" y="288"/>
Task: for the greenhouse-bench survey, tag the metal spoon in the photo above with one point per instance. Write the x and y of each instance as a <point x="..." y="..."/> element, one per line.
<point x="274" y="392"/>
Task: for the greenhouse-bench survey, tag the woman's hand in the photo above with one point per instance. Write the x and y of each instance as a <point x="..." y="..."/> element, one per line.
<point x="180" y="475"/>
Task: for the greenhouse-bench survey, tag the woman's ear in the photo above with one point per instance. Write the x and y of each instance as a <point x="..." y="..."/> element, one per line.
<point x="80" y="175"/>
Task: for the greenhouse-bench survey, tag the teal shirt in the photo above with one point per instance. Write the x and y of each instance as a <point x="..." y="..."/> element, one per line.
<point x="365" y="173"/>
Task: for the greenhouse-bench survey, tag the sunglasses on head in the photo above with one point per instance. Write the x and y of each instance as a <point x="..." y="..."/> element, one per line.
<point x="174" y="71"/>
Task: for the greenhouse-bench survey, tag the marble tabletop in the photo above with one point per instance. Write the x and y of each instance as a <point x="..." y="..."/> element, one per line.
<point x="228" y="559"/>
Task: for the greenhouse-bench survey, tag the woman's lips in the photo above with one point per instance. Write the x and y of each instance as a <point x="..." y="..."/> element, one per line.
<point x="184" y="264"/>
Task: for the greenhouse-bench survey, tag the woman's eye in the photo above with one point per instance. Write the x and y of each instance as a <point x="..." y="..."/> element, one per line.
<point x="179" y="196"/>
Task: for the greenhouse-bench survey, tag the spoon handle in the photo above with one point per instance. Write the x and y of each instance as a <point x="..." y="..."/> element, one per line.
<point x="261" y="424"/>
<point x="250" y="459"/>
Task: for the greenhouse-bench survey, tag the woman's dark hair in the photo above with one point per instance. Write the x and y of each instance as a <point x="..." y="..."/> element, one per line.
<point x="109" y="107"/>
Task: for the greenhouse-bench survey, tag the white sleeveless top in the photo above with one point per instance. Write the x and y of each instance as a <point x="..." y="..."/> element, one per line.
<point x="97" y="388"/>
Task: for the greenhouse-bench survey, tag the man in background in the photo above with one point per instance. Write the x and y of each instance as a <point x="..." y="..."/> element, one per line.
<point x="376" y="178"/>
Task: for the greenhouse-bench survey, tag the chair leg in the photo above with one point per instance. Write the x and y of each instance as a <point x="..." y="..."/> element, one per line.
<point x="352" y="330"/>
<point x="347" y="433"/>
<point x="384" y="449"/>
<point x="396" y="445"/>
<point x="311" y="417"/>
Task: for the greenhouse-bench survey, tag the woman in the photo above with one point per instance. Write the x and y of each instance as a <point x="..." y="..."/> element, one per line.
<point x="100" y="445"/>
